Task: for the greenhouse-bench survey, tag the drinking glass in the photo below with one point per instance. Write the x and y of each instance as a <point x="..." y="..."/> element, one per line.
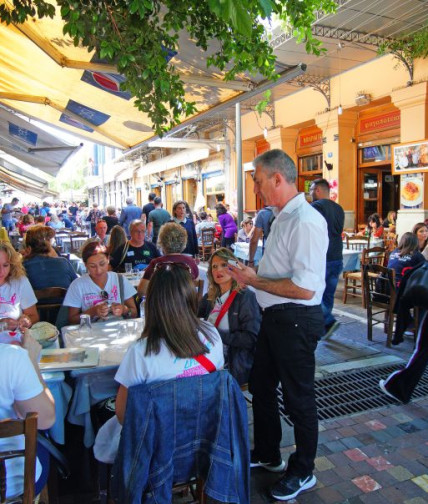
<point x="128" y="267"/>
<point x="85" y="327"/>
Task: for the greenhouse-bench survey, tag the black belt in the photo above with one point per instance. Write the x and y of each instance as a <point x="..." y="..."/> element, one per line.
<point x="283" y="307"/>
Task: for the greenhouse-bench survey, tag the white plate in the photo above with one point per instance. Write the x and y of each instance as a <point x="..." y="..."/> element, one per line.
<point x="412" y="202"/>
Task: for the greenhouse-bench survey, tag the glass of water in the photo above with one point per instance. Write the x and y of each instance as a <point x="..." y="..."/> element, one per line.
<point x="128" y="267"/>
<point x="85" y="327"/>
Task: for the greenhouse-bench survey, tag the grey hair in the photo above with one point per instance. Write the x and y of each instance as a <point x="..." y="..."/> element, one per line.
<point x="129" y="201"/>
<point x="135" y="223"/>
<point x="172" y="238"/>
<point x="277" y="161"/>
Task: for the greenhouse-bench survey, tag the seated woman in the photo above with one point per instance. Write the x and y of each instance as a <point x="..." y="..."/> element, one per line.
<point x="246" y="231"/>
<point x="55" y="223"/>
<point x="17" y="299"/>
<point x="234" y="312"/>
<point x="117" y="239"/>
<point x="43" y="266"/>
<point x="172" y="241"/>
<point x="406" y="255"/>
<point x="374" y="228"/>
<point x="99" y="292"/>
<point x="26" y="222"/>
<point x="390" y="221"/>
<point x="23" y="390"/>
<point x="173" y="336"/>
<point x="420" y="230"/>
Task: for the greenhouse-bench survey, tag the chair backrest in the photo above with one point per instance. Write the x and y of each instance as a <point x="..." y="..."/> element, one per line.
<point x="207" y="237"/>
<point x="49" y="302"/>
<point x="28" y="428"/>
<point x="374" y="255"/>
<point x="379" y="285"/>
<point x="390" y="241"/>
<point x="76" y="241"/>
<point x="357" y="242"/>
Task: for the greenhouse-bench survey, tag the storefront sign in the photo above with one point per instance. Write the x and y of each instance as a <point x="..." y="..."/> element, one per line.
<point x="381" y="122"/>
<point x="410" y="158"/>
<point x="310" y="139"/>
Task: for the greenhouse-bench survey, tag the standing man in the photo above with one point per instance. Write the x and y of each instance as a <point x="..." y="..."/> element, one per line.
<point x="148" y="207"/>
<point x="335" y="218"/>
<point x="8" y="221"/>
<point x="262" y="227"/>
<point x="289" y="287"/>
<point x="128" y="214"/>
<point x="156" y="218"/>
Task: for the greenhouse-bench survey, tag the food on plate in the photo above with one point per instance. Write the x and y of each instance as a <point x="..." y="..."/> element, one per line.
<point x="44" y="333"/>
<point x="411" y="191"/>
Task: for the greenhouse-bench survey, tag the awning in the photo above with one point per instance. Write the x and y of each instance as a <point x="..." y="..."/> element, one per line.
<point x="44" y="76"/>
<point x="21" y="180"/>
<point x="32" y="145"/>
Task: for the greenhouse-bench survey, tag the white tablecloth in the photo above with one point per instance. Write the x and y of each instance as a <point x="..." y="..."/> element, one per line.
<point x="351" y="260"/>
<point x="242" y="251"/>
<point x="112" y="338"/>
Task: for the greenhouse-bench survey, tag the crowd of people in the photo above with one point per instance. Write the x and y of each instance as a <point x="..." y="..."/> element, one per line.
<point x="262" y="324"/>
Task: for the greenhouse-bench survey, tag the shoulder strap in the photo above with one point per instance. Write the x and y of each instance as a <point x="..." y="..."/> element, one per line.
<point x="125" y="251"/>
<point x="225" y="307"/>
<point x="121" y="287"/>
<point x="206" y="363"/>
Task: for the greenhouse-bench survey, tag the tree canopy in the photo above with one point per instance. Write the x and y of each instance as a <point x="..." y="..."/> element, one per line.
<point x="138" y="35"/>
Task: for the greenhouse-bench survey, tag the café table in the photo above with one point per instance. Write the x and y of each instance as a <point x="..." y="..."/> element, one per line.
<point x="61" y="392"/>
<point x="351" y="259"/>
<point x="112" y="338"/>
<point x="241" y="250"/>
<point x="78" y="265"/>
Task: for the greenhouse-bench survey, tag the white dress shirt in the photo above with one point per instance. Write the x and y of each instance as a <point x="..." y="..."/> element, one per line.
<point x="296" y="248"/>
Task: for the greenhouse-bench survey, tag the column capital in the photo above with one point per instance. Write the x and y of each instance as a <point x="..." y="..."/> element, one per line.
<point x="410" y="96"/>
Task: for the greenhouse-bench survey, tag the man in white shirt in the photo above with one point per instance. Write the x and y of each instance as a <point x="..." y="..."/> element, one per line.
<point x="289" y="286"/>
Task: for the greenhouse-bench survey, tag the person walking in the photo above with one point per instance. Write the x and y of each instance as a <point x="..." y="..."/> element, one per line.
<point x="128" y="214"/>
<point x="148" y="207"/>
<point x="335" y="217"/>
<point x="157" y="217"/>
<point x="262" y="226"/>
<point x="289" y="286"/>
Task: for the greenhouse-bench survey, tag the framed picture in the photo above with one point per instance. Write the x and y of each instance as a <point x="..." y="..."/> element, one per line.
<point x="410" y="158"/>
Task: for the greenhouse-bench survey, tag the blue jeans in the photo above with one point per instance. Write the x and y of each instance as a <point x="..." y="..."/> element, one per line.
<point x="332" y="272"/>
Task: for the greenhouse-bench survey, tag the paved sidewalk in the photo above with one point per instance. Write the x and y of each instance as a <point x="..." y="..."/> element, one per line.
<point x="379" y="456"/>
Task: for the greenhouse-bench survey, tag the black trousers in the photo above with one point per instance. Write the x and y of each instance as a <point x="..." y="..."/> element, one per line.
<point x="402" y="383"/>
<point x="285" y="353"/>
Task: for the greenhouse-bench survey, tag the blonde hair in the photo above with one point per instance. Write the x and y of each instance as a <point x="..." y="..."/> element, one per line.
<point x="213" y="289"/>
<point x="15" y="261"/>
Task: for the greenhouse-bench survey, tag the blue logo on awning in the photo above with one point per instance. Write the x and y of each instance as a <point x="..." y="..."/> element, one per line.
<point x="23" y="134"/>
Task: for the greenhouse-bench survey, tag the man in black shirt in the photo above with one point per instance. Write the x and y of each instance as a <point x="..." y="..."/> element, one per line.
<point x="335" y="217"/>
<point x="136" y="251"/>
<point x="148" y="207"/>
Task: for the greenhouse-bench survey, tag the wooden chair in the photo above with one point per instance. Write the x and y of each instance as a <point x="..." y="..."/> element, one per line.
<point x="49" y="301"/>
<point x="76" y="241"/>
<point x="207" y="243"/>
<point x="11" y="428"/>
<point x="357" y="242"/>
<point x="199" y="284"/>
<point x="354" y="282"/>
<point x="379" y="287"/>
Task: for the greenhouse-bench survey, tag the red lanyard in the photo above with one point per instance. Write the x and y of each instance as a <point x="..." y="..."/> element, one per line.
<point x="225" y="307"/>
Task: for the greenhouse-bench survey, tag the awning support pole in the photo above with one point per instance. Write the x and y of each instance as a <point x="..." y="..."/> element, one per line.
<point x="238" y="149"/>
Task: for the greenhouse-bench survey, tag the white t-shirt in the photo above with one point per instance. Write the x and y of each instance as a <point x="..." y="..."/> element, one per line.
<point x="18" y="381"/>
<point x="224" y="322"/>
<point x="16" y="295"/>
<point x="84" y="292"/>
<point x="137" y="368"/>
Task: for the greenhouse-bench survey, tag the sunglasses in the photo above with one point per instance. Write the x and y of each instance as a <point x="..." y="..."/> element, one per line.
<point x="168" y="265"/>
<point x="104" y="295"/>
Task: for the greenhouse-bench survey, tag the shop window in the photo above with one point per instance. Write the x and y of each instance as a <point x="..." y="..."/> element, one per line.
<point x="310" y="168"/>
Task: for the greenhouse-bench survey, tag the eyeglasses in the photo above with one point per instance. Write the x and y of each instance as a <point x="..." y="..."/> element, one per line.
<point x="167" y="265"/>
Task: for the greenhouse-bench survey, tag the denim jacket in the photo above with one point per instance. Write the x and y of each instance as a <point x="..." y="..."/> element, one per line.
<point x="177" y="429"/>
<point x="240" y="341"/>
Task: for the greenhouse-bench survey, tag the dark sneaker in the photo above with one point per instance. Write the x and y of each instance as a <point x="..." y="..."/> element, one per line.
<point x="385" y="391"/>
<point x="330" y="329"/>
<point x="290" y="486"/>
<point x="272" y="466"/>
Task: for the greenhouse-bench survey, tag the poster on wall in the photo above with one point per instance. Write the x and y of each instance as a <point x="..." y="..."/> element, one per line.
<point x="412" y="191"/>
<point x="410" y="158"/>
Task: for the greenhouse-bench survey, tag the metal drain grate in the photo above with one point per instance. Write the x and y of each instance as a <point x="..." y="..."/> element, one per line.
<point x="352" y="392"/>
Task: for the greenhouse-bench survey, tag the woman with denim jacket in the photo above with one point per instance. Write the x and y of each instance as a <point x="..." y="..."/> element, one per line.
<point x="236" y="314"/>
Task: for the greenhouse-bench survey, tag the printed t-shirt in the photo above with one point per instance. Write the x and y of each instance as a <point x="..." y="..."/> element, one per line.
<point x="137" y="368"/>
<point x="84" y="292"/>
<point x="18" y="382"/>
<point x="16" y="295"/>
<point x="139" y="257"/>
